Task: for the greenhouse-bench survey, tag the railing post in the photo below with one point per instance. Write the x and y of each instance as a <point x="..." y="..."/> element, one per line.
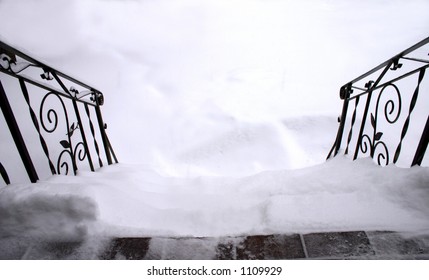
<point x="102" y="129"/>
<point x="17" y="136"/>
<point x="344" y="94"/>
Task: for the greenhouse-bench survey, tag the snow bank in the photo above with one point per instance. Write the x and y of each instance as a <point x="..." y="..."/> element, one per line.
<point x="133" y="200"/>
<point x="53" y="210"/>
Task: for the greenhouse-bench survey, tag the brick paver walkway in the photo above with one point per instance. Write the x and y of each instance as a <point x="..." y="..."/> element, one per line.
<point x="330" y="245"/>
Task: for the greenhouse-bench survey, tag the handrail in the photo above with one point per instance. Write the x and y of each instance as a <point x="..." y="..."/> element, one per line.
<point x="376" y="87"/>
<point x="384" y="64"/>
<point x="75" y="99"/>
<point x="42" y="65"/>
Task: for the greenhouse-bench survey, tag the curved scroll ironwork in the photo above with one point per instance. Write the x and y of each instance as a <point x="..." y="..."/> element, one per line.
<point x="364" y="144"/>
<point x="8" y="63"/>
<point x="392" y="111"/>
<point x="80" y="152"/>
<point x="62" y="163"/>
<point x="52" y="125"/>
<point x="49" y="120"/>
<point x="51" y="114"/>
<point x="36" y="125"/>
<point x="380" y="155"/>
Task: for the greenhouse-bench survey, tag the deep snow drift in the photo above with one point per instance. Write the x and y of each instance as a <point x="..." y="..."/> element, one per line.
<point x="229" y="109"/>
<point x="132" y="200"/>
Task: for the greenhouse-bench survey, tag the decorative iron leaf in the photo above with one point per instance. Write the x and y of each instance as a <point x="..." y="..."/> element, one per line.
<point x="378" y="136"/>
<point x="72" y="89"/>
<point x="65" y="144"/>
<point x="372" y="121"/>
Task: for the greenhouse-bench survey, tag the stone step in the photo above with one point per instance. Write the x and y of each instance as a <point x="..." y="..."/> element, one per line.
<point x="330" y="245"/>
<point x="324" y="245"/>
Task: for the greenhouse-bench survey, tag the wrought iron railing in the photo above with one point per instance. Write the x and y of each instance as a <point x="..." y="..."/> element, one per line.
<point x="399" y="90"/>
<point x="51" y="122"/>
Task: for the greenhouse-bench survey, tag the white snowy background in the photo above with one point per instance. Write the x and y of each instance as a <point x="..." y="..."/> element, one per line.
<point x="221" y="114"/>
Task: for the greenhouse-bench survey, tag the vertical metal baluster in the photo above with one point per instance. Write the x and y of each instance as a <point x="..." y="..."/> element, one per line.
<point x="341" y="127"/>
<point x="91" y="127"/>
<point x="102" y="130"/>
<point x="349" y="138"/>
<point x="4" y="174"/>
<point x="17" y="136"/>
<point x="111" y="149"/>
<point x="344" y="94"/>
<point x="407" y="121"/>
<point x="362" y="127"/>
<point x="423" y="144"/>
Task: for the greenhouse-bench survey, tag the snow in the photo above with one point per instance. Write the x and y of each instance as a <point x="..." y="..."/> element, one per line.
<point x="221" y="114"/>
<point x="171" y="70"/>
<point x="133" y="200"/>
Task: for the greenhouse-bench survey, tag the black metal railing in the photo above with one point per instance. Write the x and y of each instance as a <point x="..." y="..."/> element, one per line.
<point x="51" y="122"/>
<point x="399" y="90"/>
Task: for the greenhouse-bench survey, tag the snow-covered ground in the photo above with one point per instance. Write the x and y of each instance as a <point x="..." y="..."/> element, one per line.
<point x="133" y="200"/>
<point x="221" y="114"/>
